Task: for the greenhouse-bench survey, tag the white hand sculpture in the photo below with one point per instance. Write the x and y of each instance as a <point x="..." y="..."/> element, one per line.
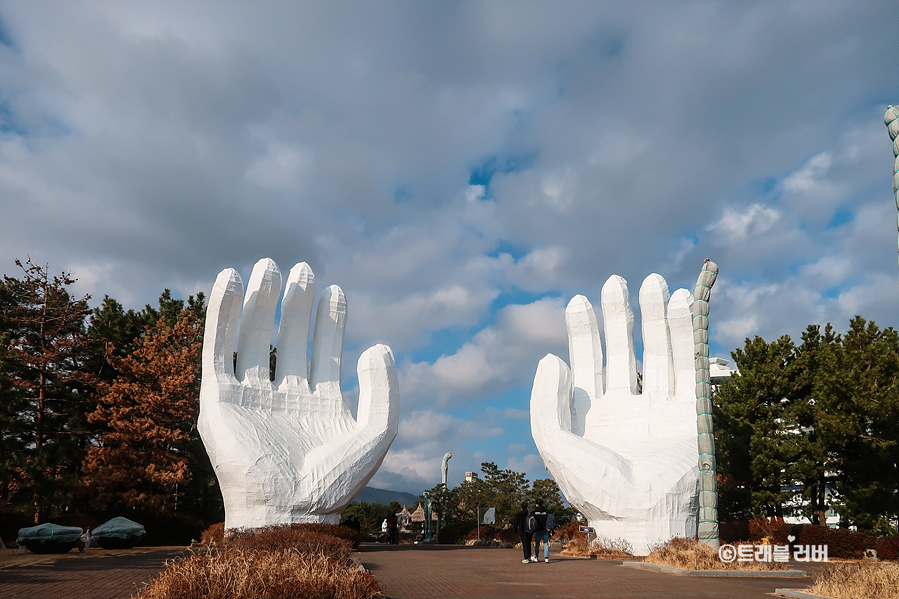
<point x="289" y="451"/>
<point x="626" y="460"/>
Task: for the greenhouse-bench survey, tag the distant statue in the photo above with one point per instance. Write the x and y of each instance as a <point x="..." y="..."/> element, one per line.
<point x="445" y="466"/>
<point x="427" y="513"/>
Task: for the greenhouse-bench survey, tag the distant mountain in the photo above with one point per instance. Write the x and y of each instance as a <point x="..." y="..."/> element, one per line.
<point x="372" y="495"/>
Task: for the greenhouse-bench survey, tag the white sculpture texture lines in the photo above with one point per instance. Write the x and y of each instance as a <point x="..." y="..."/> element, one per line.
<point x="627" y="460"/>
<point x="289" y="450"/>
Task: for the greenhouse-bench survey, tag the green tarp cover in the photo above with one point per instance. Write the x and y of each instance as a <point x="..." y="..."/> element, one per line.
<point x="119" y="527"/>
<point x="46" y="532"/>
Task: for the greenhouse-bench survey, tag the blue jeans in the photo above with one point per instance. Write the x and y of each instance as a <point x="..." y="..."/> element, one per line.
<point x="541" y="534"/>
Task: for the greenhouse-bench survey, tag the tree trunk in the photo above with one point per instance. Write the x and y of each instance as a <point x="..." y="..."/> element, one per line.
<point x="821" y="502"/>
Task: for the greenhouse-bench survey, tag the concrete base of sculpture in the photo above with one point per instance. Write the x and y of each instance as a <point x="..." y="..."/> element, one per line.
<point x="289" y="450"/>
<point x="626" y="458"/>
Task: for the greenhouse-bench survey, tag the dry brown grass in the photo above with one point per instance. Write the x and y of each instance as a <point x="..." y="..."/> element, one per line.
<point x="600" y="547"/>
<point x="690" y="554"/>
<point x="237" y="574"/>
<point x="850" y="580"/>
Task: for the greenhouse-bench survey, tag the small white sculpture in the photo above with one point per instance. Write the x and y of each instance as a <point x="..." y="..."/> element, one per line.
<point x="289" y="451"/>
<point x="628" y="461"/>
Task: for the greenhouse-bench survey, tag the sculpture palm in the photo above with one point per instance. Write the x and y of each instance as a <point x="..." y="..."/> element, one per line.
<point x="626" y="460"/>
<point x="289" y="450"/>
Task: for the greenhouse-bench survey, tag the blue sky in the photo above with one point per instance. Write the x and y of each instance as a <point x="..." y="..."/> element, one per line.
<point x="461" y="170"/>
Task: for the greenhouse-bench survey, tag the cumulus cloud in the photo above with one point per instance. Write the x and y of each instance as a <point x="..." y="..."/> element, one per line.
<point x="737" y="225"/>
<point x="456" y="190"/>
<point x="424" y="436"/>
<point x="284" y="167"/>
<point x="498" y="356"/>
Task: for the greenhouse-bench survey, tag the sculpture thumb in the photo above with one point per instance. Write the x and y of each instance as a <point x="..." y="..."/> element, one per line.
<point x="379" y="396"/>
<point x="550" y="398"/>
<point x="580" y="467"/>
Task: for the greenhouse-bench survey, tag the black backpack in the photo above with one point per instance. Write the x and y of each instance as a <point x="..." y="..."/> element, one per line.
<point x="530" y="523"/>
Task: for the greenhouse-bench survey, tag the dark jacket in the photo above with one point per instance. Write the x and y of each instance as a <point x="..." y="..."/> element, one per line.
<point x="540" y="515"/>
<point x="520" y="520"/>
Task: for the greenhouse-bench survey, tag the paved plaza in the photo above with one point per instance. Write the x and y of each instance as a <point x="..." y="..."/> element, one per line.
<point x="96" y="574"/>
<point x="458" y="572"/>
<point x="408" y="571"/>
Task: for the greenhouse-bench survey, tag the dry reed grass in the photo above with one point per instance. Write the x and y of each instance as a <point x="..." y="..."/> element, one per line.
<point x="238" y="574"/>
<point x="690" y="554"/>
<point x="849" y="580"/>
<point x="600" y="546"/>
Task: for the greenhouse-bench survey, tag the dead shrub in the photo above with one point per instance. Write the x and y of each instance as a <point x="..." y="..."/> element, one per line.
<point x="214" y="535"/>
<point x="599" y="546"/>
<point x="568" y="532"/>
<point x="334" y="530"/>
<point x="888" y="548"/>
<point x="690" y="554"/>
<point x="773" y="529"/>
<point x="286" y="574"/>
<point x="484" y="532"/>
<point x="298" y="537"/>
<point x="504" y="535"/>
<point x="853" y="580"/>
<point x="842" y="543"/>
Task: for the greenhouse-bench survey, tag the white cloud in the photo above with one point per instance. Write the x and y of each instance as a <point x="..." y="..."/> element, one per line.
<point x="149" y="146"/>
<point x="497" y="356"/>
<point x="809" y="177"/>
<point x="414" y="460"/>
<point x="754" y="220"/>
<point x="829" y="270"/>
<point x="528" y="463"/>
<point x="871" y="296"/>
<point x="284" y="167"/>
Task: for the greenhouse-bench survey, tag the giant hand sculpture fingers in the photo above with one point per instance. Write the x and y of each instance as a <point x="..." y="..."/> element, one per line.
<point x="626" y="458"/>
<point x="289" y="450"/>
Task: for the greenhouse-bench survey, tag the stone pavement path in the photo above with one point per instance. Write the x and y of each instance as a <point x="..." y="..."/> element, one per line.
<point x="91" y="575"/>
<point x="458" y="572"/>
<point x="408" y="571"/>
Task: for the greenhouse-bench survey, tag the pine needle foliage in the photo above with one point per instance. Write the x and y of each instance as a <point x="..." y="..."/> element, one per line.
<point x="150" y="412"/>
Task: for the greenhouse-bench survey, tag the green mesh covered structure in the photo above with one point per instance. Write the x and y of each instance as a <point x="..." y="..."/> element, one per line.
<point x="50" y="538"/>
<point x="708" y="482"/>
<point x="118" y="533"/>
<point x="891" y="119"/>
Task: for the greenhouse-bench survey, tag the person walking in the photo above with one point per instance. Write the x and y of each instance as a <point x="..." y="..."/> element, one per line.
<point x="520" y="522"/>
<point x="542" y="531"/>
<point x="391" y="529"/>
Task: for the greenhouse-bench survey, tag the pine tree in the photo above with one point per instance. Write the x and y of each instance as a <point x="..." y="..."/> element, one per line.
<point x="508" y="488"/>
<point x="547" y="490"/>
<point x="13" y="428"/>
<point x="751" y="426"/>
<point x="811" y="461"/>
<point x="150" y="412"/>
<point x="45" y="347"/>
<point x="857" y="413"/>
<point x="818" y="417"/>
